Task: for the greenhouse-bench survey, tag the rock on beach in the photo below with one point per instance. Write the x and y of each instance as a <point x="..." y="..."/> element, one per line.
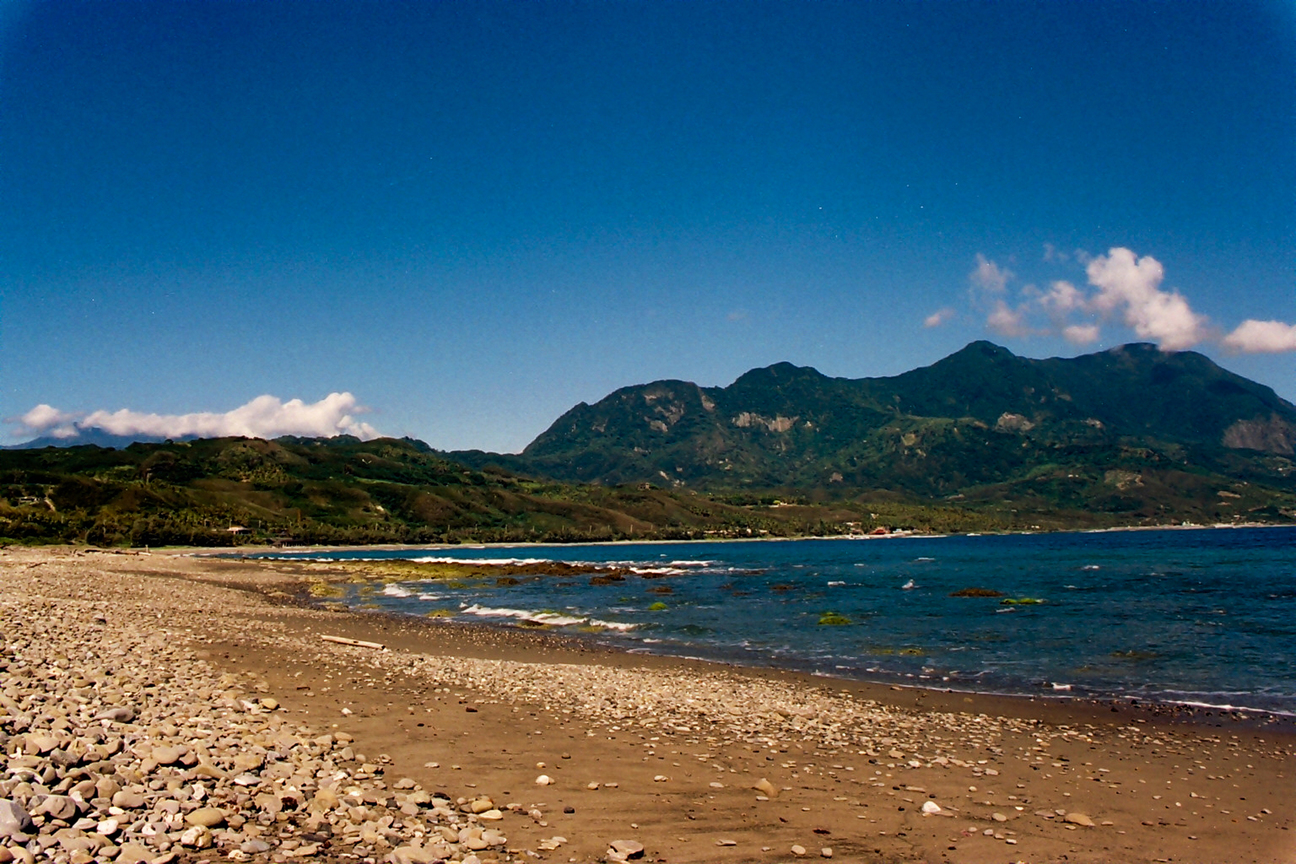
<point x="122" y="745"/>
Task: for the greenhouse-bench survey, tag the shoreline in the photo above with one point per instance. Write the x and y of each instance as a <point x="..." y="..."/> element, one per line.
<point x="468" y="712"/>
<point x="894" y="535"/>
<point x="1200" y="702"/>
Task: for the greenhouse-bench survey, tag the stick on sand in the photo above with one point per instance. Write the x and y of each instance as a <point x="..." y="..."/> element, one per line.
<point x="357" y="643"/>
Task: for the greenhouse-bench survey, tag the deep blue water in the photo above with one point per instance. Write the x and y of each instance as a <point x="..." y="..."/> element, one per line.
<point x="1204" y="616"/>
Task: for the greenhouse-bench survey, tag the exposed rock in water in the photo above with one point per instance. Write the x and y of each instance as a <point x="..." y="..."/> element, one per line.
<point x="977" y="592"/>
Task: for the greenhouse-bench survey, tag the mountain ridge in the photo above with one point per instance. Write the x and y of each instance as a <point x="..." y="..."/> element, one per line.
<point x="980" y="440"/>
<point x="979" y="417"/>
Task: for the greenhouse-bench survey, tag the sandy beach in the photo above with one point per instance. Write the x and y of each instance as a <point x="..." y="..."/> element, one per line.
<point x="162" y="707"/>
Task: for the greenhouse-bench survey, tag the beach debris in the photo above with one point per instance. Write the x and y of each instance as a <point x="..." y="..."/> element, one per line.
<point x="1081" y="819"/>
<point x="660" y="778"/>
<point x="354" y="643"/>
<point x="798" y="850"/>
<point x="628" y="849"/>
<point x="766" y="788"/>
<point x="826" y="852"/>
<point x="543" y="780"/>
<point x="931" y="807"/>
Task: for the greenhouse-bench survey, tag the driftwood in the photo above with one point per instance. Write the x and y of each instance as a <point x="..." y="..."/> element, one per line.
<point x="355" y="643"/>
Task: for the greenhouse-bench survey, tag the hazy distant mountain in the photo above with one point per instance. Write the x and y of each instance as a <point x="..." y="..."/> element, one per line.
<point x="980" y="417"/>
<point x="94" y="435"/>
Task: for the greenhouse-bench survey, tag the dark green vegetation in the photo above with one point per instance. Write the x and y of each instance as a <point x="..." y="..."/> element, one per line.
<point x="1134" y="433"/>
<point x="982" y="440"/>
<point x="342" y="491"/>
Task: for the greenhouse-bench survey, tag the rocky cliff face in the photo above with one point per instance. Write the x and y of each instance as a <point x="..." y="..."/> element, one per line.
<point x="1268" y="435"/>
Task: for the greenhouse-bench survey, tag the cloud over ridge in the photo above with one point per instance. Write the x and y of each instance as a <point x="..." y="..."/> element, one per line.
<point x="1122" y="289"/>
<point x="1262" y="337"/>
<point x="263" y="417"/>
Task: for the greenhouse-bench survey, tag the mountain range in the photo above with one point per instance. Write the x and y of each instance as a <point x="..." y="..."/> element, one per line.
<point x="981" y="440"/>
<point x="1095" y="431"/>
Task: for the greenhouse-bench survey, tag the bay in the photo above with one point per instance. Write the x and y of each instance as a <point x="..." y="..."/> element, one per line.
<point x="1191" y="616"/>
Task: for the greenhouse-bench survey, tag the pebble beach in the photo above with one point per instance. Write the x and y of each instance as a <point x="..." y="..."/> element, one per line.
<point x="165" y="707"/>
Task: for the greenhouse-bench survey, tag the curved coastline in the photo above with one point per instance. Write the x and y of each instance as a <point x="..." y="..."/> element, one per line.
<point x="696" y="760"/>
<point x="1003" y="681"/>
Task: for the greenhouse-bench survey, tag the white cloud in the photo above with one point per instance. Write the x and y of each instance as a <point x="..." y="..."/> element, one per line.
<point x="1081" y="334"/>
<point x="49" y="419"/>
<point x="1262" y="337"/>
<point x="1063" y="297"/>
<point x="989" y="276"/>
<point x="1123" y="288"/>
<point x="939" y="317"/>
<point x="1130" y="286"/>
<point x="1007" y="322"/>
<point x="263" y="417"/>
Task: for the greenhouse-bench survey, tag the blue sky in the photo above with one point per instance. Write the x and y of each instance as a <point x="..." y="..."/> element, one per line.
<point x="471" y="216"/>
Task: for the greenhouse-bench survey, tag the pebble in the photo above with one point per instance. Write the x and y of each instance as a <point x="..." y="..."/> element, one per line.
<point x="629" y="849"/>
<point x="123" y="745"/>
<point x="15" y="822"/>
<point x="133" y="709"/>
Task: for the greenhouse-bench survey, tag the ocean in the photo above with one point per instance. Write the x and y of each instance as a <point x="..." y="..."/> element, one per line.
<point x="1203" y="617"/>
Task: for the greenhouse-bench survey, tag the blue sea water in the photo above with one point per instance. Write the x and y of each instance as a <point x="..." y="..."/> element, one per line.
<point x="1195" y="616"/>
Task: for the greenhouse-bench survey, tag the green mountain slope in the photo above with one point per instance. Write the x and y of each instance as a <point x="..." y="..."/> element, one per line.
<point x="982" y="440"/>
<point x="344" y="491"/>
<point x="1132" y="430"/>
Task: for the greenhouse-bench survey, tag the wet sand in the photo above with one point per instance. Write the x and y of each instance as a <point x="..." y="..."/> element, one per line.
<point x="707" y="762"/>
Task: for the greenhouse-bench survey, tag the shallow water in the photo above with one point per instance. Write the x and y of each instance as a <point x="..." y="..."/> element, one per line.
<point x="1199" y="616"/>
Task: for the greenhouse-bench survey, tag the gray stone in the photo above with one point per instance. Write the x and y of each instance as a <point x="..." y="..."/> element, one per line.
<point x="168" y="755"/>
<point x="128" y="799"/>
<point x="58" y="807"/>
<point x="15" y="823"/>
<point x="207" y="817"/>
<point x="119" y="714"/>
<point x="134" y="853"/>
